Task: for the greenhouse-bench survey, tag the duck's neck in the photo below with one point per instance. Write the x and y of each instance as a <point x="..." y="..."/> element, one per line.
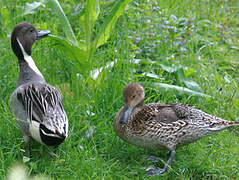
<point x="29" y="72"/>
<point x="28" y="69"/>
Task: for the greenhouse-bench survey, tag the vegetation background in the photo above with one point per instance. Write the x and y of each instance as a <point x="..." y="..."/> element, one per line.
<point x="181" y="51"/>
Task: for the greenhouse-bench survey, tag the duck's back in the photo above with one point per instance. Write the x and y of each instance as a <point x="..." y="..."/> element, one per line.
<point x="144" y="124"/>
<point x="161" y="126"/>
<point x="41" y="103"/>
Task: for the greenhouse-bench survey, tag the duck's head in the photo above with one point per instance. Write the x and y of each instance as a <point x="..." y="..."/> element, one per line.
<point x="133" y="97"/>
<point x="23" y="37"/>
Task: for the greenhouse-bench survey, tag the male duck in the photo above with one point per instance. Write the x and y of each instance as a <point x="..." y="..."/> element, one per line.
<point x="162" y="126"/>
<point x="36" y="104"/>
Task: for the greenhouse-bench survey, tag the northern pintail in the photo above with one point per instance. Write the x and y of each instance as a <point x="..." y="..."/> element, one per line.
<point x="162" y="126"/>
<point x="37" y="105"/>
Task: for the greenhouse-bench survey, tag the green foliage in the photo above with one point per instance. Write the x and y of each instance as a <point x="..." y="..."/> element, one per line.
<point x="109" y="22"/>
<point x="175" y="89"/>
<point x="82" y="50"/>
<point x="181" y="51"/>
<point x="70" y="36"/>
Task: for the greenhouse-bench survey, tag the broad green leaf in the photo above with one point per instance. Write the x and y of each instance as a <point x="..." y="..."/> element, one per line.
<point x="174" y="88"/>
<point x="192" y="85"/>
<point x="96" y="72"/>
<point x="94" y="11"/>
<point x="87" y="20"/>
<point x="170" y="69"/>
<point x="91" y="12"/>
<point x="180" y="71"/>
<point x="76" y="53"/>
<point x="56" y="7"/>
<point x="189" y="83"/>
<point x="151" y="75"/>
<point x="31" y="8"/>
<point x="109" y="22"/>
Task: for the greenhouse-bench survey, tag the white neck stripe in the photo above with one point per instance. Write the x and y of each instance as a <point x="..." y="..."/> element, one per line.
<point x="29" y="60"/>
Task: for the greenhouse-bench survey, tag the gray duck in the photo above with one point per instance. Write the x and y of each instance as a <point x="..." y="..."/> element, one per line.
<point x="37" y="105"/>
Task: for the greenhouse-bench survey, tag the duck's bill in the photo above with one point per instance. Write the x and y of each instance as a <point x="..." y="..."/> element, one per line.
<point x="42" y="34"/>
<point x="126" y="113"/>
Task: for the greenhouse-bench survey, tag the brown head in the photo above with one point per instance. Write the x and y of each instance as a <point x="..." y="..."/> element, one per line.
<point x="23" y="37"/>
<point x="133" y="97"/>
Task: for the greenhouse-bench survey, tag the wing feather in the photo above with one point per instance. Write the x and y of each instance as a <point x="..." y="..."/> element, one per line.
<point x="42" y="103"/>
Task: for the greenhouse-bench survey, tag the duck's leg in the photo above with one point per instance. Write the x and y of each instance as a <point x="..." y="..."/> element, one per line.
<point x="53" y="152"/>
<point x="155" y="171"/>
<point x="26" y="156"/>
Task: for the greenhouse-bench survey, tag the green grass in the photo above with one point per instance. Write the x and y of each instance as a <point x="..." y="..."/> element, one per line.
<point x="200" y="38"/>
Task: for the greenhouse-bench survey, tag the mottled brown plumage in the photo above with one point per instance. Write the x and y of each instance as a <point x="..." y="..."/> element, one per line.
<point x="162" y="126"/>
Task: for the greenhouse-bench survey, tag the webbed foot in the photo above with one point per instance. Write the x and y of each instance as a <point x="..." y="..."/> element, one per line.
<point x="152" y="171"/>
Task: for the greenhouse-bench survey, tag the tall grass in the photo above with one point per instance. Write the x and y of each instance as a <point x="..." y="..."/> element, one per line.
<point x="183" y="44"/>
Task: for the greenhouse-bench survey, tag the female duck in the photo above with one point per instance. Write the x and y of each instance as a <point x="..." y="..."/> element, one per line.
<point x="162" y="126"/>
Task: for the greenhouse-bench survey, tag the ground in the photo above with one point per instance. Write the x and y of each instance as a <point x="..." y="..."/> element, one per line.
<point x="190" y="44"/>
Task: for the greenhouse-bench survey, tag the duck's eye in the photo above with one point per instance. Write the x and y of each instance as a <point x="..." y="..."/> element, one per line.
<point x="31" y="30"/>
<point x="133" y="96"/>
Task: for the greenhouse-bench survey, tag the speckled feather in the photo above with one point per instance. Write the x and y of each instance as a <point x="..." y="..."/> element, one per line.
<point x="168" y="126"/>
<point x="162" y="126"/>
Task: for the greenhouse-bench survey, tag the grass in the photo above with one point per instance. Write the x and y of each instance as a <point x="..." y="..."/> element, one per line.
<point x="154" y="42"/>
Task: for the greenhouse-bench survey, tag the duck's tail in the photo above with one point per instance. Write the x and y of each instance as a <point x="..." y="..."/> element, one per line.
<point x="220" y="124"/>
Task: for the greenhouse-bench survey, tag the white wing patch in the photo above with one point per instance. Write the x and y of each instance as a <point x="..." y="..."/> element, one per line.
<point x="29" y="60"/>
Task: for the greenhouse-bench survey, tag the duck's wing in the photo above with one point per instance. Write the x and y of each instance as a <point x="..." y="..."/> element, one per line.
<point x="152" y="114"/>
<point x="40" y="103"/>
<point x="155" y="112"/>
<point x="199" y="118"/>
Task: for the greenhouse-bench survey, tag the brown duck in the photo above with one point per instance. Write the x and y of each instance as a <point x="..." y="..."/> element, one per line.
<point x="162" y="126"/>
